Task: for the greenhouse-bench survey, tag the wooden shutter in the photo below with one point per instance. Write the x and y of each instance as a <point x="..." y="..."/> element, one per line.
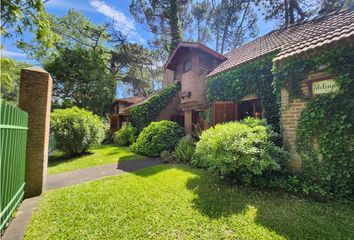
<point x="224" y="112"/>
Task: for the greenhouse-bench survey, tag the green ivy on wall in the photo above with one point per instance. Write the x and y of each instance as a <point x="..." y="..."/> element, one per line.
<point x="143" y="114"/>
<point x="325" y="133"/>
<point x="250" y="78"/>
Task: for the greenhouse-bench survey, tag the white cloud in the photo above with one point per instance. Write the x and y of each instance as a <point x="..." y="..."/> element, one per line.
<point x="65" y="4"/>
<point x="13" y="54"/>
<point x="120" y="20"/>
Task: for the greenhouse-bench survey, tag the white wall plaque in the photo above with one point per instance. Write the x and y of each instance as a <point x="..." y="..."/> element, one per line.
<point x="324" y="86"/>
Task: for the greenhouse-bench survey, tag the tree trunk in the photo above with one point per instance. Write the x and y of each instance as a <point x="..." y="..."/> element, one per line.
<point x="291" y="12"/>
<point x="286" y="8"/>
<point x="225" y="33"/>
<point x="217" y="42"/>
<point x="198" y="27"/>
<point x="239" y="29"/>
<point x="175" y="25"/>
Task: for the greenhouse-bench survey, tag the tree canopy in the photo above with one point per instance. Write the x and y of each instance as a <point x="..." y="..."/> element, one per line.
<point x="165" y="19"/>
<point x="10" y="78"/>
<point x="20" y="17"/>
<point x="81" y="76"/>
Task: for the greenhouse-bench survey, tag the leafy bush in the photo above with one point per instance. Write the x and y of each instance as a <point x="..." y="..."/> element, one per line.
<point x="76" y="130"/>
<point x="168" y="157"/>
<point x="125" y="136"/>
<point x="239" y="150"/>
<point x="158" y="136"/>
<point x="185" y="149"/>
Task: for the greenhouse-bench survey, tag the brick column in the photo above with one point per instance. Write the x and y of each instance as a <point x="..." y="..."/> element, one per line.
<point x="290" y="114"/>
<point x="188" y="121"/>
<point x="35" y="99"/>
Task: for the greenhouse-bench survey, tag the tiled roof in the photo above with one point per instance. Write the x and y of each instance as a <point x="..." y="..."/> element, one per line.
<point x="129" y="99"/>
<point x="294" y="39"/>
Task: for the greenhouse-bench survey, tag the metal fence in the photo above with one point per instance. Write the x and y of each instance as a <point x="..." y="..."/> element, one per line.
<point x="52" y="143"/>
<point x="13" y="134"/>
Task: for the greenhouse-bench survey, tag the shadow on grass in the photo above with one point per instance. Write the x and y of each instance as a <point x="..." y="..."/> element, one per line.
<point x="116" y="151"/>
<point x="59" y="157"/>
<point x="282" y="213"/>
<point x="135" y="164"/>
<point x="287" y="215"/>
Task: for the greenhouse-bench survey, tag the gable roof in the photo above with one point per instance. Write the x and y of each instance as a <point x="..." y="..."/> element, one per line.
<point x="196" y="45"/>
<point x="293" y="40"/>
<point x="129" y="99"/>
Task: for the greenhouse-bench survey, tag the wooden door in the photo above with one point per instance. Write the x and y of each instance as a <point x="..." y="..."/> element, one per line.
<point x="224" y="112"/>
<point x="114" y="122"/>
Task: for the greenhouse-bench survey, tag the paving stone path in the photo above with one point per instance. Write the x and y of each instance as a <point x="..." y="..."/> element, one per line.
<point x="17" y="227"/>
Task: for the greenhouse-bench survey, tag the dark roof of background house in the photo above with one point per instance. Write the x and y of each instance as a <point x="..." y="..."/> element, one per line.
<point x="143" y="100"/>
<point x="129" y="99"/>
<point x="197" y="45"/>
<point x="293" y="40"/>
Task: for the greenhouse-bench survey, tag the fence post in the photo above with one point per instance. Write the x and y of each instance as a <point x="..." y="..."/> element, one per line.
<point x="35" y="99"/>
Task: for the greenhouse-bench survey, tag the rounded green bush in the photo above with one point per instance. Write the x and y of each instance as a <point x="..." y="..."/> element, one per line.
<point x="157" y="137"/>
<point x="76" y="130"/>
<point x="125" y="136"/>
<point x="239" y="150"/>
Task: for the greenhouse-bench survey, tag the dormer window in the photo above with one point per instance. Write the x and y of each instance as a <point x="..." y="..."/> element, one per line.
<point x="187" y="65"/>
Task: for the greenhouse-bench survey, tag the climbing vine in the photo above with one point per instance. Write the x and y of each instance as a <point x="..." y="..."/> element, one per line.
<point x="325" y="133"/>
<point x="143" y="114"/>
<point x="254" y="77"/>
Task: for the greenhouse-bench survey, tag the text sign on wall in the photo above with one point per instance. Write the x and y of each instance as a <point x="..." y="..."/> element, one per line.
<point x="324" y="86"/>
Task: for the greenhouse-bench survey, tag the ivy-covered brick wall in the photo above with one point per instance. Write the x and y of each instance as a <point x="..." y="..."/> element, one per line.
<point x="143" y="114"/>
<point x="324" y="131"/>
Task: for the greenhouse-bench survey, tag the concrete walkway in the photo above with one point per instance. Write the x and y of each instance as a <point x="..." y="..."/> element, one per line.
<point x="89" y="174"/>
<point x="17" y="227"/>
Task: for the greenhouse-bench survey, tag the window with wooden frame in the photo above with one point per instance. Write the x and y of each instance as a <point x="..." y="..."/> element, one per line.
<point x="250" y="108"/>
<point x="187" y="65"/>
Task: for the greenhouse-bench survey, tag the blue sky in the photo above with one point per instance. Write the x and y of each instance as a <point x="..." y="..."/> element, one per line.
<point x="101" y="11"/>
<point x="97" y="11"/>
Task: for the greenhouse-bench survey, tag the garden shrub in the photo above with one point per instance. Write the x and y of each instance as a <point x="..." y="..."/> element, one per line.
<point x="239" y="150"/>
<point x="168" y="157"/>
<point x="157" y="137"/>
<point x="76" y="130"/>
<point x="125" y="136"/>
<point x="185" y="149"/>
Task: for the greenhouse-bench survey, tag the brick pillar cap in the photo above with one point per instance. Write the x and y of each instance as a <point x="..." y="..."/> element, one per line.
<point x="35" y="69"/>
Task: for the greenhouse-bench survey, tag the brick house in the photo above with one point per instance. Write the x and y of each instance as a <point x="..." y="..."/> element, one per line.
<point x="119" y="116"/>
<point x="192" y="64"/>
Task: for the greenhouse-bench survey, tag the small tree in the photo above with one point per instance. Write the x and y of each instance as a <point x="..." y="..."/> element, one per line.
<point x="76" y="130"/>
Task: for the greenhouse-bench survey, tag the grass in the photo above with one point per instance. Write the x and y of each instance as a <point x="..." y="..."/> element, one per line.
<point x="178" y="202"/>
<point x="104" y="154"/>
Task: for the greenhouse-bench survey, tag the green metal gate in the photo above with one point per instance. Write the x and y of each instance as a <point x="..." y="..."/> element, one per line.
<point x="13" y="133"/>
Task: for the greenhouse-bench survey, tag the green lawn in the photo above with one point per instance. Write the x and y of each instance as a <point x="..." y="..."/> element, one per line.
<point x="105" y="154"/>
<point x="178" y="202"/>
